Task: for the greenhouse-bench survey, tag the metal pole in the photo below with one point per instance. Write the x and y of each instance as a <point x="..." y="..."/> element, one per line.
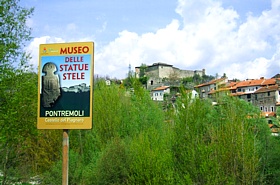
<point x="65" y="160"/>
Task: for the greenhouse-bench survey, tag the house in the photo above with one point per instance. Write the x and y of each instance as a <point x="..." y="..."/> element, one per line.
<point x="263" y="93"/>
<point x="108" y="82"/>
<point x="250" y="86"/>
<point x="207" y="90"/>
<point x="193" y="94"/>
<point x="158" y="93"/>
<point x="274" y="129"/>
<point x="266" y="98"/>
<point x="269" y="116"/>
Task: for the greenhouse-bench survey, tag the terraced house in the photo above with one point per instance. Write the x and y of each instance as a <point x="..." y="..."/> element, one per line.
<point x="263" y="93"/>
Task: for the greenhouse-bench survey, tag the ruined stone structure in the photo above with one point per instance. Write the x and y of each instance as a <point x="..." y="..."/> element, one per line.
<point x="50" y="85"/>
<point x="160" y="74"/>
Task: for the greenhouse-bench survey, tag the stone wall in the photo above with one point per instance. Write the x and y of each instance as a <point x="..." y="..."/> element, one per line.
<point x="263" y="100"/>
<point x="159" y="73"/>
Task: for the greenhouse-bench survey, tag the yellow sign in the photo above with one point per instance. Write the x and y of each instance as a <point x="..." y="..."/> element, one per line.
<point x="65" y="82"/>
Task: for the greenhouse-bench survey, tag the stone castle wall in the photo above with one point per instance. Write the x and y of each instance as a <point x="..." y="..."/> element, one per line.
<point x="159" y="73"/>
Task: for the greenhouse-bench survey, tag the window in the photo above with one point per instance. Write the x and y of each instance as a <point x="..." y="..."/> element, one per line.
<point x="272" y="109"/>
<point x="268" y="93"/>
<point x="265" y="109"/>
<point x="203" y="95"/>
<point x="152" y="82"/>
<point x="261" y="107"/>
<point x="248" y="96"/>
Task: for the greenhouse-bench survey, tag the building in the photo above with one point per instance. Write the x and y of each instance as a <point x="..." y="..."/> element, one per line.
<point x="265" y="98"/>
<point x="107" y="82"/>
<point x="193" y="94"/>
<point x="157" y="94"/>
<point x="209" y="89"/>
<point x="161" y="74"/>
<point x="263" y="93"/>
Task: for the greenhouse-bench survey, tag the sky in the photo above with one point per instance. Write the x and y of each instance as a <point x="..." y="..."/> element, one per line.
<point x="240" y="38"/>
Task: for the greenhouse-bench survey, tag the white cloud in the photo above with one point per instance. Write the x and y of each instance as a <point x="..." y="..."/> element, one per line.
<point x="194" y="11"/>
<point x="254" y="69"/>
<point x="210" y="36"/>
<point x="33" y="47"/>
<point x="71" y="27"/>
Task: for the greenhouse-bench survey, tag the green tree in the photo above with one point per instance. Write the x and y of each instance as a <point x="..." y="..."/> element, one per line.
<point x="188" y="83"/>
<point x="133" y="141"/>
<point x="220" y="144"/>
<point x="197" y="79"/>
<point x="18" y="86"/>
<point x="143" y="68"/>
<point x="207" y="78"/>
<point x="18" y="126"/>
<point x="142" y="75"/>
<point x="14" y="34"/>
<point x="113" y="152"/>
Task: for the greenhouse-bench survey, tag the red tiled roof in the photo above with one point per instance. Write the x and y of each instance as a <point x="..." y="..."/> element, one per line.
<point x="248" y="83"/>
<point x="211" y="82"/>
<point x="267" y="89"/>
<point x="256" y="82"/>
<point x="237" y="93"/>
<point x="270" y="125"/>
<point x="271" y="81"/>
<point x="268" y="114"/>
<point x="232" y="85"/>
<point x="274" y="128"/>
<point x="212" y="91"/>
<point x="161" y="88"/>
<point x="245" y="83"/>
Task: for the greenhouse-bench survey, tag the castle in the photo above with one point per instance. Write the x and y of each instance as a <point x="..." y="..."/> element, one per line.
<point x="160" y="74"/>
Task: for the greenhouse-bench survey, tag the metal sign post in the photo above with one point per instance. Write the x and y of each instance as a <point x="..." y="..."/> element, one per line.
<point x="65" y="160"/>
